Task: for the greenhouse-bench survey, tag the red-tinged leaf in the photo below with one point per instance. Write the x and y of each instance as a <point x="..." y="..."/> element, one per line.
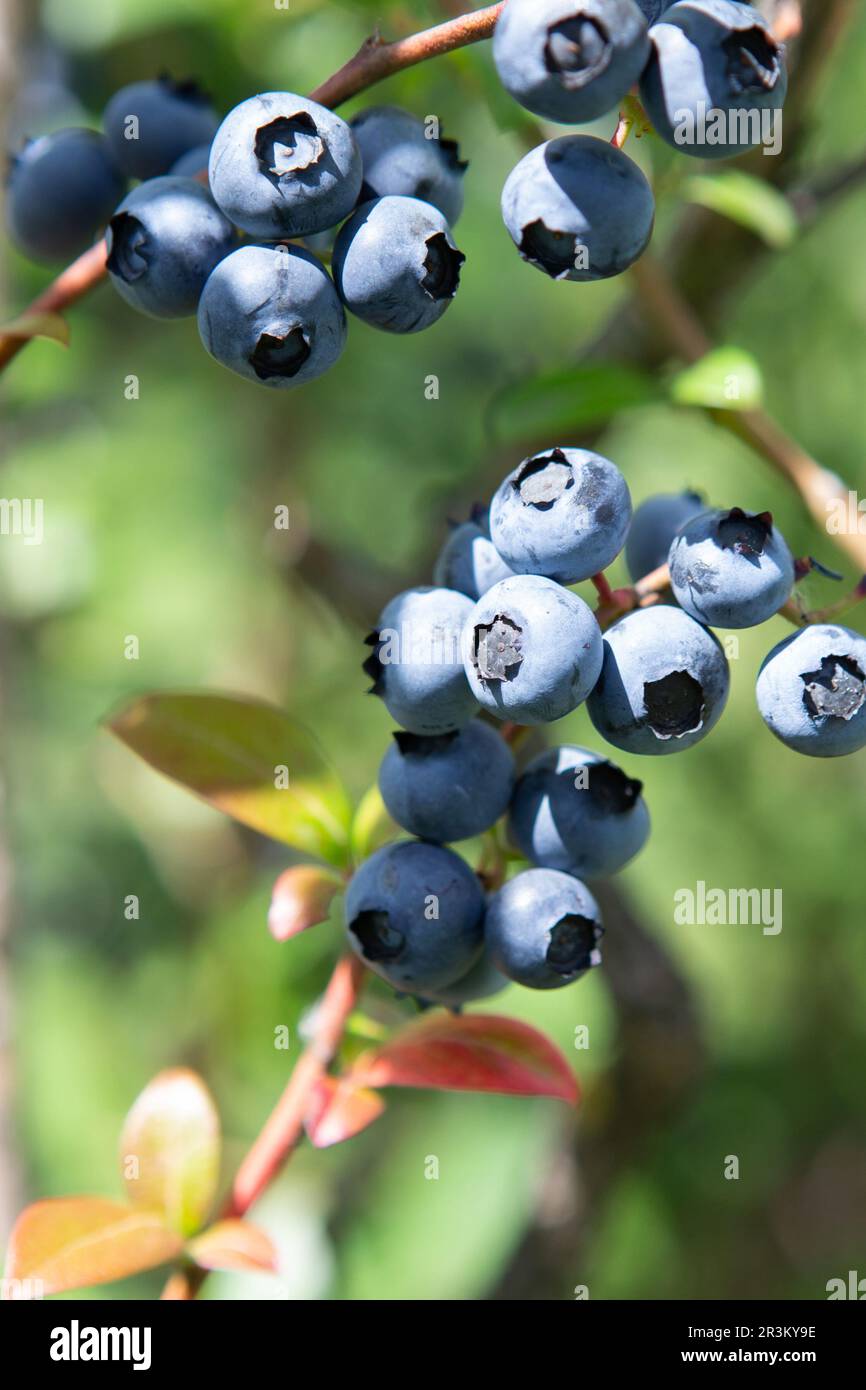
<point x="301" y="899"/>
<point x="478" y="1052"/>
<point x="234" y="1245"/>
<point x="247" y="759"/>
<point x="339" y="1110"/>
<point x="73" y="1242"/>
<point x="170" y="1150"/>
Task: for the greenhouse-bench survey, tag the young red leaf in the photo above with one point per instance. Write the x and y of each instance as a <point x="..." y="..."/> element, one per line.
<point x="234" y="1245"/>
<point x="170" y="1150"/>
<point x="73" y="1242"/>
<point x="339" y="1110"/>
<point x="477" y="1052"/>
<point x="301" y="899"/>
<point x="247" y="759"/>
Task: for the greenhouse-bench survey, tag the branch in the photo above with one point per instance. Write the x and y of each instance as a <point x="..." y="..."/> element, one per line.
<point x="71" y="284"/>
<point x="284" y="1127"/>
<point x="374" y="61"/>
<point x="668" y="310"/>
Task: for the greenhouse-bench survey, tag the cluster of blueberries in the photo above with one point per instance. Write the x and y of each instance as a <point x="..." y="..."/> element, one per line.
<point x="242" y="249"/>
<point x="227" y="216"/>
<point x="500" y="634"/>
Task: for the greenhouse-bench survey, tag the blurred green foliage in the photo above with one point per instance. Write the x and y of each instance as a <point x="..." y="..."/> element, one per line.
<point x="158" y="516"/>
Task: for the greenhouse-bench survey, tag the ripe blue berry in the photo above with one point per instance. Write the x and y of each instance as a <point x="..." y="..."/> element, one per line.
<point x="563" y="513"/>
<point x="481" y="982"/>
<point x="163" y="242"/>
<point x="532" y="650"/>
<point x="578" y="209"/>
<point x="399" y="156"/>
<point x="663" y="685"/>
<point x="812" y="691"/>
<point x="149" y="125"/>
<point x="574" y="810"/>
<point x="730" y="569"/>
<point x="715" y="78"/>
<point x="414" y="914"/>
<point x="416" y="664"/>
<point x="396" y="265"/>
<point x="62" y="189"/>
<point x="654" y="525"/>
<point x="570" y="60"/>
<point x="447" y="787"/>
<point x="543" y="928"/>
<point x="651" y="9"/>
<point x="271" y="313"/>
<point x="283" y="166"/>
<point x="469" y="561"/>
<point x="193" y="163"/>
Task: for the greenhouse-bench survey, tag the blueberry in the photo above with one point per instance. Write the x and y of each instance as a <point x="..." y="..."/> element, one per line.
<point x="543" y="928"/>
<point x="271" y="313"/>
<point x="284" y="166"/>
<point x="663" y="685"/>
<point x="396" y="265"/>
<point x="570" y="60"/>
<point x="532" y="650"/>
<point x="416" y="664"/>
<point x="574" y="810"/>
<point x="445" y="787"/>
<point x="414" y="914"/>
<point x="812" y="691"/>
<point x="715" y="78"/>
<point x="578" y="209"/>
<point x="563" y="513"/>
<point x="62" y="189"/>
<point x="469" y="561"/>
<point x="149" y="125"/>
<point x="654" y="525"/>
<point x="481" y="982"/>
<point x="163" y="242"/>
<point x="193" y="163"/>
<point x="399" y="156"/>
<point x="730" y="569"/>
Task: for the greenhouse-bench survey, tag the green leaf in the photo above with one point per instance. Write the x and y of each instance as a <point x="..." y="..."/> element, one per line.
<point x="751" y="202"/>
<point x="572" y="398"/>
<point x="73" y="1242"/>
<point x="170" y="1150"/>
<point x="232" y="753"/>
<point x="26" y="326"/>
<point x="725" y="379"/>
<point x="372" y="827"/>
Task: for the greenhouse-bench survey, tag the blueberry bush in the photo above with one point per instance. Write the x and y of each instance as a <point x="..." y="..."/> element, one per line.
<point x="646" y="598"/>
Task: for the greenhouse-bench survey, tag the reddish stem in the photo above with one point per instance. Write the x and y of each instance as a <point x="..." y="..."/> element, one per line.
<point x="602" y="588"/>
<point x="284" y="1127"/>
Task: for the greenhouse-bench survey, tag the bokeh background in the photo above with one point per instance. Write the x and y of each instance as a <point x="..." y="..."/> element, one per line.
<point x="705" y="1041"/>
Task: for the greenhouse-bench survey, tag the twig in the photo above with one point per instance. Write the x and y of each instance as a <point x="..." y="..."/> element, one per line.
<point x="819" y="489"/>
<point x="284" y="1127"/>
<point x="374" y="61"/>
<point x="71" y="284"/>
<point x="804" y="617"/>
